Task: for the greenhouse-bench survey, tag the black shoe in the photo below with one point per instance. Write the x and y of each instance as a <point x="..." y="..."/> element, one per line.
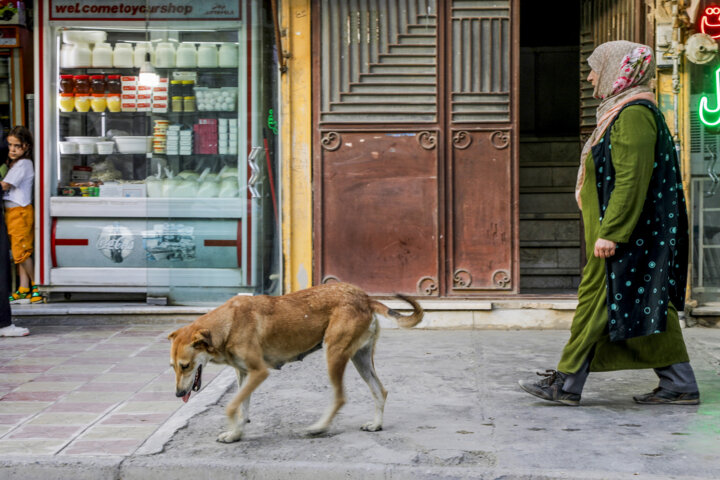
<point x="550" y="388"/>
<point x="663" y="396"/>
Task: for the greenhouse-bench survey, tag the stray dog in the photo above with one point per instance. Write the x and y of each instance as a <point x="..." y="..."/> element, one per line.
<point x="254" y="334"/>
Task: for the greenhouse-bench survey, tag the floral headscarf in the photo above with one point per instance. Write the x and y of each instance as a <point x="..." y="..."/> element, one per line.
<point x="624" y="71"/>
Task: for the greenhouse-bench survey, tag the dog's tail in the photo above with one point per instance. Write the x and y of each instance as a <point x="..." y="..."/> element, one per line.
<point x="403" y="321"/>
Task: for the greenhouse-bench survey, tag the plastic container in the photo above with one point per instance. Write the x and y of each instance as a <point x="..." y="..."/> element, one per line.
<point x="105" y="148"/>
<point x="228" y="55"/>
<point x="87" y="36"/>
<point x="82" y="102"/>
<point x="102" y="55"/>
<point x="165" y="55"/>
<point x="186" y="55"/>
<point x="133" y="144"/>
<point x="86" y="148"/>
<point x="207" y="56"/>
<point x="66" y="60"/>
<point x="98" y="103"/>
<point x="80" y="55"/>
<point x="66" y="102"/>
<point x="68" y="147"/>
<point x="123" y="55"/>
<point x="141" y="49"/>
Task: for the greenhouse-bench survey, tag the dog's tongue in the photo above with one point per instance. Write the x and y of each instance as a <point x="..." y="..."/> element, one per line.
<point x="186" y="397"/>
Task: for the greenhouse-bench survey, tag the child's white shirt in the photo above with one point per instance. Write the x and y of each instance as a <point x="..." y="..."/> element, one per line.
<point x="21" y="177"/>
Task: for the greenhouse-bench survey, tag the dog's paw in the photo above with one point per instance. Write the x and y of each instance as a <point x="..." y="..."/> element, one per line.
<point x="230" y="436"/>
<point x="371" y="427"/>
<point x="314" y="431"/>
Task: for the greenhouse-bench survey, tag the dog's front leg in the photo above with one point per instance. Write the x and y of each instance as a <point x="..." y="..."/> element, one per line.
<point x="254" y="378"/>
<point x="245" y="410"/>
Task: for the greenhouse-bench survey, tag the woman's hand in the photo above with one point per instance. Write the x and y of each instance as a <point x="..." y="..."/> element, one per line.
<point x="604" y="248"/>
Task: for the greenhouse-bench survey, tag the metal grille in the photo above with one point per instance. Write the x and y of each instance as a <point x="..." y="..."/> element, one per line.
<point x="480" y="59"/>
<point x="378" y="61"/>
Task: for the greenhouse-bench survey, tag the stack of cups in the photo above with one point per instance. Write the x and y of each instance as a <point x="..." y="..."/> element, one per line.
<point x="233" y="136"/>
<point x="173" y="140"/>
<point x="223" y="136"/>
<point x="160" y="136"/>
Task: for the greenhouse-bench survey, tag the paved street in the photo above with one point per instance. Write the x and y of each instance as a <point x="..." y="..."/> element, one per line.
<point x="98" y="402"/>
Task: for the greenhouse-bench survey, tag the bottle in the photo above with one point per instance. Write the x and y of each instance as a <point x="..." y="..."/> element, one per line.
<point x="97" y="83"/>
<point x="82" y="102"/>
<point x="165" y="55"/>
<point x="207" y="56"/>
<point x="123" y="55"/>
<point x="113" y="102"/>
<point x="80" y="55"/>
<point x="188" y="95"/>
<point x="98" y="102"/>
<point x="141" y="48"/>
<point x="67" y="84"/>
<point x="114" y="85"/>
<point x="66" y="102"/>
<point x="228" y="55"/>
<point x="82" y="83"/>
<point x="186" y="56"/>
<point x="102" y="55"/>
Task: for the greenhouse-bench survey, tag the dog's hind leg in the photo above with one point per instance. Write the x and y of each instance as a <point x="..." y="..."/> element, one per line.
<point x="245" y="409"/>
<point x="337" y="360"/>
<point x="254" y="378"/>
<point x="363" y="361"/>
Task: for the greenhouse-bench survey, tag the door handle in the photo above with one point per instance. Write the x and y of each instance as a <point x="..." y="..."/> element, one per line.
<point x="254" y="172"/>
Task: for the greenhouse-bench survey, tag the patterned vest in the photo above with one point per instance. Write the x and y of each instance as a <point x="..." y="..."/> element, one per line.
<point x="651" y="268"/>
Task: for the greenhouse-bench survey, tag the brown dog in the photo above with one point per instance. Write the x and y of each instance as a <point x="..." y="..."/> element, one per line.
<point x="254" y="334"/>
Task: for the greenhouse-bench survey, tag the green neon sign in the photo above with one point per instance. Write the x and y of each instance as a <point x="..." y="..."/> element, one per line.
<point x="711" y="116"/>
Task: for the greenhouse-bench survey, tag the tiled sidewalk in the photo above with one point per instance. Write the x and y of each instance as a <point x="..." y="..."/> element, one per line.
<point x="84" y="390"/>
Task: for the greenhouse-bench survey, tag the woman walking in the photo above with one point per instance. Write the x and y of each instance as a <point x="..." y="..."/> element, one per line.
<point x="636" y="234"/>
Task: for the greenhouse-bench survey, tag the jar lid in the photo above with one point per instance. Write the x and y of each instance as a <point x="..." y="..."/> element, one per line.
<point x="98" y="94"/>
<point x="188" y="98"/>
<point x="177" y="98"/>
<point x="65" y="77"/>
<point x="175" y="82"/>
<point x="97" y="77"/>
<point x="82" y="94"/>
<point x="113" y="77"/>
<point x="68" y="94"/>
<point x="82" y="77"/>
<point x="188" y="82"/>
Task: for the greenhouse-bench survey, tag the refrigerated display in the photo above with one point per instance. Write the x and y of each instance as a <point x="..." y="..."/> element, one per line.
<point x="158" y="186"/>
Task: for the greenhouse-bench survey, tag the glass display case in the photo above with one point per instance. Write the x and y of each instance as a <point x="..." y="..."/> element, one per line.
<point x="159" y="171"/>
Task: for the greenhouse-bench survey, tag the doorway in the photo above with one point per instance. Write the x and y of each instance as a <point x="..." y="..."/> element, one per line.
<point x="550" y="231"/>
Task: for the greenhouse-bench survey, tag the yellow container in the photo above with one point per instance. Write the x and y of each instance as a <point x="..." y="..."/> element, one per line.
<point x="82" y="102"/>
<point x="113" y="103"/>
<point x="98" y="102"/>
<point x="66" y="102"/>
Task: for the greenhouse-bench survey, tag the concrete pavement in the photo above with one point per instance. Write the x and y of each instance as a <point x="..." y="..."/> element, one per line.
<point x="97" y="402"/>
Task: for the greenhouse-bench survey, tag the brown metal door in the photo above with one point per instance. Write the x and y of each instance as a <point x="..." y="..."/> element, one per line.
<point x="414" y="150"/>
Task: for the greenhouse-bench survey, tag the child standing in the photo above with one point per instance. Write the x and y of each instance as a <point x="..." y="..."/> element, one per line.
<point x="18" y="188"/>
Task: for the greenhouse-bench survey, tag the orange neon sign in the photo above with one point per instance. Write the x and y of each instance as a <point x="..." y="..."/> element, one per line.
<point x="708" y="28"/>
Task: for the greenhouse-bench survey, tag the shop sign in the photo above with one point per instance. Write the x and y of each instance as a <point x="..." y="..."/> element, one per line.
<point x="144" y="10"/>
<point x="710" y="117"/>
<point x="710" y="21"/>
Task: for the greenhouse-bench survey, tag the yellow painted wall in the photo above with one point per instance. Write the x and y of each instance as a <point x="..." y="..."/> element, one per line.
<point x="296" y="141"/>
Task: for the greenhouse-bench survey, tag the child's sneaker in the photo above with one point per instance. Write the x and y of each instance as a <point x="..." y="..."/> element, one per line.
<point x="35" y="296"/>
<point x="21" y="295"/>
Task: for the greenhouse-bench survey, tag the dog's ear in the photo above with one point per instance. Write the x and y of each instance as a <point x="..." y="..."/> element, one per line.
<point x="202" y="339"/>
<point x="172" y="335"/>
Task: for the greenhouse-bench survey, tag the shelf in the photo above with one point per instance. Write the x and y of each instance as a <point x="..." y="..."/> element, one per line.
<point x="119" y="207"/>
<point x="149" y="114"/>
